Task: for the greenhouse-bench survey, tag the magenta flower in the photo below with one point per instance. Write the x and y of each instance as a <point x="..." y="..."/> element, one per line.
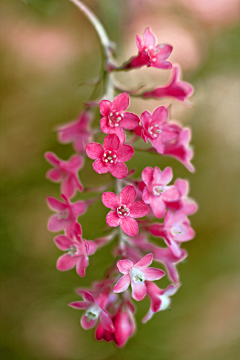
<point x="180" y="149"/>
<point x="159" y="298"/>
<point x="124" y="210"/>
<point x="77" y="249"/>
<point x="136" y="274"/>
<point x="65" y="172"/>
<point x="149" y="53"/>
<point x="94" y="310"/>
<point x="110" y="157"/>
<point x="156" y="129"/>
<point x="115" y="118"/>
<point x="67" y="213"/>
<point x="78" y="132"/>
<point x="180" y="90"/>
<point x="184" y="202"/>
<point x="124" y="326"/>
<point x="156" y="191"/>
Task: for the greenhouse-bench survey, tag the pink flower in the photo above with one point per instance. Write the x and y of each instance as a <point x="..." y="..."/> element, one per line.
<point x="124" y="210"/>
<point x="180" y="90"/>
<point x="110" y="157"/>
<point x="124" y="326"/>
<point x="78" y="132"/>
<point x="150" y="54"/>
<point x="65" y="171"/>
<point x="77" y="249"/>
<point x="184" y="202"/>
<point x="94" y="310"/>
<point x="159" y="298"/>
<point x="156" y="191"/>
<point x="156" y="128"/>
<point x="115" y="118"/>
<point x="67" y="213"/>
<point x="136" y="274"/>
<point x="180" y="149"/>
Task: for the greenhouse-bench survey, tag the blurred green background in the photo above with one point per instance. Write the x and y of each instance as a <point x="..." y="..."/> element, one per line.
<point x="48" y="52"/>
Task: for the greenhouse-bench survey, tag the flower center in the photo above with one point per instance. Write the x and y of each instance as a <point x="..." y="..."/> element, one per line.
<point x="109" y="157"/>
<point x="176" y="229"/>
<point x="137" y="275"/>
<point x="64" y="214"/>
<point x="114" y="118"/>
<point x="72" y="250"/>
<point x="93" y="312"/>
<point x="151" y="52"/>
<point x="154" y="131"/>
<point x="123" y="211"/>
<point x="158" y="190"/>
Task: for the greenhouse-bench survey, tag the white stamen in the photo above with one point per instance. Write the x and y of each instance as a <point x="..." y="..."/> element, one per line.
<point x="111" y="161"/>
<point x="106" y="160"/>
<point x="104" y="155"/>
<point x="114" y="156"/>
<point x="116" y="124"/>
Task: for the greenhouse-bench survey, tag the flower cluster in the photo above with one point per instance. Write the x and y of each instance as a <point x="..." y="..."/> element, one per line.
<point x="139" y="208"/>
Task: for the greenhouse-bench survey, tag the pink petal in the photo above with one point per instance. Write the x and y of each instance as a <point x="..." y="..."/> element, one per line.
<point x="145" y="119"/>
<point x="79" y="305"/>
<point x="94" y="150"/>
<point x="128" y="195"/>
<point x="75" y="162"/>
<point x="168" y="134"/>
<point x="81" y="265"/>
<point x="160" y="115"/>
<point x="88" y="324"/>
<point x="175" y="249"/>
<point x="149" y="38"/>
<point x="87" y="296"/>
<point x="55" y="204"/>
<point x="183" y="186"/>
<point x="145" y="196"/>
<point x="121" y="102"/>
<point x="130" y="121"/>
<point x="129" y="226"/>
<point x="158" y="145"/>
<point x="139" y="290"/>
<point x="112" y="219"/>
<point x="66" y="262"/>
<point x="139" y="42"/>
<point x="171" y="194"/>
<point x="100" y="167"/>
<point x="119" y="170"/>
<point x="163" y="177"/>
<point x="63" y="242"/>
<point x="158" y="206"/>
<point x="138" y="209"/>
<point x="122" y="284"/>
<point x="54" y="224"/>
<point x="104" y="107"/>
<point x="103" y="124"/>
<point x="52" y="158"/>
<point x="125" y="153"/>
<point x="145" y="261"/>
<point x="119" y="132"/>
<point x="68" y="187"/>
<point x="79" y="207"/>
<point x="110" y="200"/>
<point x="91" y="247"/>
<point x="106" y="322"/>
<point x="54" y="174"/>
<point x="111" y="142"/>
<point x="147" y="175"/>
<point x="124" y="266"/>
<point x="153" y="274"/>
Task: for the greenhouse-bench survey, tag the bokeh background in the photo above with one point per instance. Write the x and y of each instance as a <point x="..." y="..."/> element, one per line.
<point x="48" y="53"/>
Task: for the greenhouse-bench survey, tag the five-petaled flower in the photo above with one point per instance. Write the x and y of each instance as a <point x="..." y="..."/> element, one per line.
<point x="115" y="118"/>
<point x="150" y="54"/>
<point x="67" y="213"/>
<point x="124" y="210"/>
<point x="156" y="129"/>
<point x="77" y="249"/>
<point x="136" y="274"/>
<point x="78" y="132"/>
<point x="66" y="172"/>
<point x="94" y="310"/>
<point x="178" y="89"/>
<point x="111" y="156"/>
<point x="156" y="191"/>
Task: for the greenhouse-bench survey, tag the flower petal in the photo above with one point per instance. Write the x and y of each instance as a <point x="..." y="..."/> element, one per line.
<point x="52" y="158"/>
<point x="129" y="226"/>
<point x="128" y="195"/>
<point x="75" y="162"/>
<point x="139" y="42"/>
<point x="104" y="107"/>
<point x="112" y="219"/>
<point x="88" y="324"/>
<point x="79" y="207"/>
<point x="124" y="266"/>
<point x="79" y="305"/>
<point x="121" y="102"/>
<point x="119" y="170"/>
<point x="149" y="38"/>
<point x="153" y="274"/>
<point x="160" y="116"/>
<point x="94" y="150"/>
<point x="158" y="207"/>
<point x="171" y="194"/>
<point x="111" y="142"/>
<point x="63" y="242"/>
<point x="66" y="262"/>
<point x="54" y="174"/>
<point x="122" y="284"/>
<point x="106" y="322"/>
<point x="130" y="121"/>
<point x="147" y="175"/>
<point x="138" y="209"/>
<point x="55" y="204"/>
<point x="54" y="224"/>
<point x="139" y="290"/>
<point x="100" y="167"/>
<point x="110" y="200"/>
<point x="145" y="261"/>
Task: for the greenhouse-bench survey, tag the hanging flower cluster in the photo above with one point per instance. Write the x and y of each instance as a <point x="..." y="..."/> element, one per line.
<point x="139" y="208"/>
